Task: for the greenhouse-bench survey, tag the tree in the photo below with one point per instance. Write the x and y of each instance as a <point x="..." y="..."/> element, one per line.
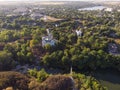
<point x="66" y="62"/>
<point x="33" y="72"/>
<point x="48" y="47"/>
<point x="46" y="60"/>
<point x="33" y="43"/>
<point x="42" y="75"/>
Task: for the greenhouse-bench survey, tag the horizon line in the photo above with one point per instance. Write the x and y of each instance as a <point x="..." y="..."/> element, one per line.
<point x="53" y="0"/>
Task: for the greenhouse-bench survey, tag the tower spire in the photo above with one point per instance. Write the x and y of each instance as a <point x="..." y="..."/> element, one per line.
<point x="71" y="71"/>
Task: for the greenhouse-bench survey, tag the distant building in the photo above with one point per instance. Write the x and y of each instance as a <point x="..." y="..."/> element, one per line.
<point x="24" y="13"/>
<point x="48" y="39"/>
<point x="79" y="33"/>
<point x="113" y="48"/>
<point x="108" y="9"/>
<point x="36" y="15"/>
<point x="21" y="11"/>
<point x="11" y="15"/>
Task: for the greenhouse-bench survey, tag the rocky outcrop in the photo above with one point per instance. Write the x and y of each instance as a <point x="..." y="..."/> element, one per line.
<point x="15" y="80"/>
<point x="57" y="82"/>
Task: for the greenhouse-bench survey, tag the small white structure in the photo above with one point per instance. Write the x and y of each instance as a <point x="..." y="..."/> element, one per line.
<point x="48" y="32"/>
<point x="118" y="10"/>
<point x="48" y="39"/>
<point x="79" y="33"/>
<point x="45" y="18"/>
<point x="56" y="25"/>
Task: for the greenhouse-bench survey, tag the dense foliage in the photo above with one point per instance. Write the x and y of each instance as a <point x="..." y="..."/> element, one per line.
<point x="21" y="43"/>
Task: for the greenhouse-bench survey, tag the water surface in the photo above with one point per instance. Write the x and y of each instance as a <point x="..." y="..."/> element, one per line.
<point x="109" y="78"/>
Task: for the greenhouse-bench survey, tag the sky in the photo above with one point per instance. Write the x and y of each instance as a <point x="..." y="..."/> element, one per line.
<point x="6" y="1"/>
